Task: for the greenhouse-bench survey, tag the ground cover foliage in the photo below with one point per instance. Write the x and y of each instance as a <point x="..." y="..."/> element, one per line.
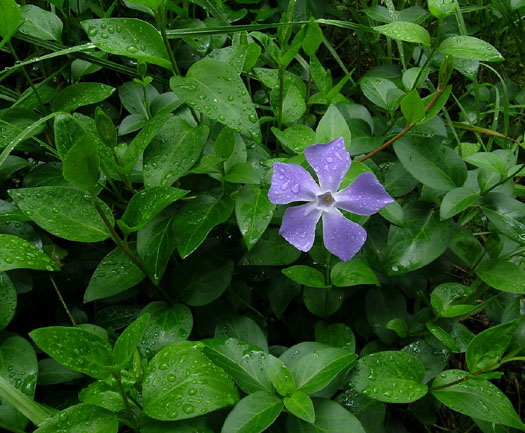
<point x="144" y="284"/>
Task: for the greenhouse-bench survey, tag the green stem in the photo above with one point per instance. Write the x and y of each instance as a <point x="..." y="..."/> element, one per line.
<point x="24" y="404"/>
<point x="160" y="15"/>
<point x="455" y="382"/>
<point x="63" y="302"/>
<point x="129" y="411"/>
<point x="281" y="97"/>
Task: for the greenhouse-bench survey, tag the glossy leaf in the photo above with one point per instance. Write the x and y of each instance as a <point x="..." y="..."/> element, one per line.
<point x="81" y="417"/>
<point x="331" y="126"/>
<point x="17" y="253"/>
<point x="300" y="405"/>
<point x="280" y="376"/>
<point x="244" y="362"/>
<point x="507" y="214"/>
<point x="352" y="273"/>
<point x="180" y="369"/>
<point x="41" y="23"/>
<point x="76" y="348"/>
<point x="128" y="37"/>
<point x="253" y="414"/>
<point x="457" y="200"/>
<point x="391" y="376"/>
<point x="444" y="299"/>
<point x="243" y="328"/>
<point x="80" y="166"/>
<point x="382" y="92"/>
<point x="434" y="165"/>
<point x="470" y="48"/>
<point x="215" y="89"/>
<point x="253" y="211"/>
<point x="127" y="342"/>
<point x="167" y="325"/>
<point x="64" y="212"/>
<point x="335" y="335"/>
<point x="477" y="398"/>
<point x="305" y="275"/>
<point x="80" y="94"/>
<point x="441" y="8"/>
<point x="114" y="274"/>
<point x="196" y="219"/>
<point x="405" y="31"/>
<point x="488" y="161"/>
<point x="11" y="20"/>
<point x="317" y="369"/>
<point x="146" y="204"/>
<point x="412" y="107"/>
<point x="271" y="250"/>
<point x="9" y="299"/>
<point x="502" y="275"/>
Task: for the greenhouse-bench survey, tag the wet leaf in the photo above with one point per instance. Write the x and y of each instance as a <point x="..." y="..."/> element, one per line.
<point x="17" y="253"/>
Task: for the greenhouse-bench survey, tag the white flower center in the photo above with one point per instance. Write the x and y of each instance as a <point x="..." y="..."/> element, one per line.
<point x="325" y="201"/>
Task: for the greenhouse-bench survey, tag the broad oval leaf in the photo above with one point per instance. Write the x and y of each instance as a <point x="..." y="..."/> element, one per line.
<point x="305" y="275"/>
<point x="300" y="405"/>
<point x="196" y="219"/>
<point x="80" y="94"/>
<point x="405" y="31"/>
<point x="243" y="328"/>
<point x="244" y="362"/>
<point x="332" y="126"/>
<point x="17" y="253"/>
<point x="441" y="8"/>
<point x="215" y="89"/>
<point x="382" y="92"/>
<point x="271" y="250"/>
<point x="64" y="212"/>
<point x="502" y="275"/>
<point x="280" y="376"/>
<point x="40" y="23"/>
<point x="432" y="164"/>
<point x="167" y="325"/>
<point x="352" y="273"/>
<point x="253" y="414"/>
<point x="9" y="299"/>
<point x="391" y="376"/>
<point x="181" y="382"/>
<point x="477" y="398"/>
<point x="470" y="48"/>
<point x="128" y="37"/>
<point x="74" y="419"/>
<point x="115" y="273"/>
<point x="129" y="339"/>
<point x="76" y="348"/>
<point x="318" y="368"/>
<point x="457" y="200"/>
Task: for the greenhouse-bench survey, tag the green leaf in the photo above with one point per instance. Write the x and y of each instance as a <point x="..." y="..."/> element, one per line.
<point x="105" y="128"/>
<point x="382" y="92"/>
<point x="330" y="417"/>
<point x="412" y="107"/>
<point x="280" y="376"/>
<point x="331" y="126"/>
<point x="423" y="239"/>
<point x="19" y="366"/>
<point x="391" y="376"/>
<point x="215" y="89"/>
<point x="80" y="94"/>
<point x="443" y="299"/>
<point x="295" y="137"/>
<point x="244" y="362"/>
<point x="335" y="335"/>
<point x="40" y="23"/>
<point x="253" y="414"/>
<point x="294" y="105"/>
<point x="64" y="212"/>
<point x="457" y="200"/>
<point x="487" y="348"/>
<point x="73" y="419"/>
<point x="507" y="214"/>
<point x="488" y="161"/>
<point x="76" y="348"/>
<point x="441" y="8"/>
<point x="399" y="326"/>
<point x="437" y="105"/>
<point x="102" y="394"/>
<point x="128" y="37"/>
<point x="300" y="405"/>
<point x="271" y="250"/>
<point x="156" y="244"/>
<point x="502" y="275"/>
<point x="196" y="219"/>
<point x="80" y="166"/>
<point x="317" y="369"/>
<point x="254" y="212"/>
<point x="202" y="280"/>
<point x="146" y="204"/>
<point x="313" y="38"/>
<point x="127" y="342"/>
<point x="51" y="372"/>
<point x="167" y="325"/>
<point x="9" y="300"/>
<point x="352" y="273"/>
<point x="470" y="48"/>
<point x="444" y="337"/>
<point x="322" y="302"/>
<point x="242" y="172"/>
<point x="405" y="31"/>
<point x="11" y="19"/>
<point x="477" y="398"/>
<point x="432" y="164"/>
<point x="115" y="273"/>
<point x="181" y="369"/>
<point x="17" y="253"/>
<point x="243" y="328"/>
<point x="305" y="275"/>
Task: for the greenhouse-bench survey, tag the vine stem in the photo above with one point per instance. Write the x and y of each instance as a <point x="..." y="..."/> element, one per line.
<point x="63" y="302"/>
<point x="407" y="128"/>
<point x="160" y="15"/>
<point x="122" y="245"/>
<point x="455" y="382"/>
<point x="124" y="395"/>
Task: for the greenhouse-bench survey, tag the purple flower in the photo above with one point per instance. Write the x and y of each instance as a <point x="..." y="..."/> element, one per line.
<point x="291" y="182"/>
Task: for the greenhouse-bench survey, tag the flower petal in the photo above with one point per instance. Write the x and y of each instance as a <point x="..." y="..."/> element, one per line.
<point x="364" y="196"/>
<point x="298" y="225"/>
<point x="291" y="182"/>
<point x="330" y="161"/>
<point x="341" y="236"/>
